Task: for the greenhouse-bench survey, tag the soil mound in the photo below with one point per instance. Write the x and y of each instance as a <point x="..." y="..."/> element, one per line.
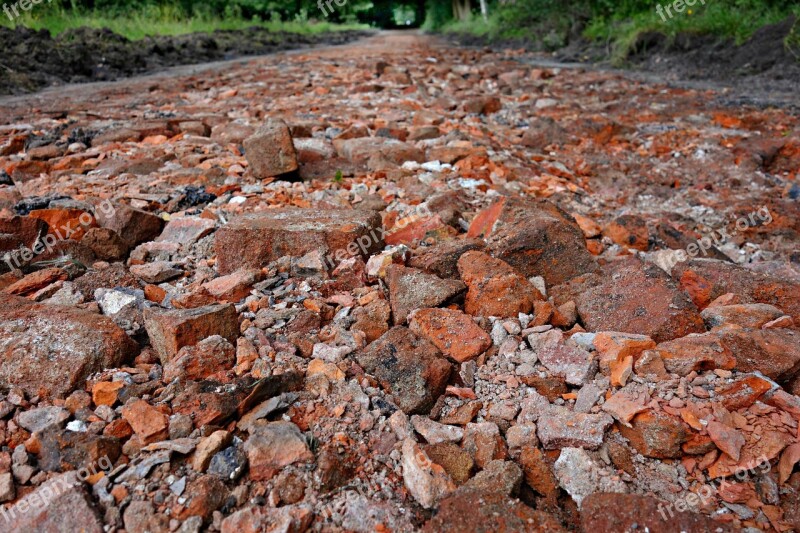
<point x="34" y="59"/>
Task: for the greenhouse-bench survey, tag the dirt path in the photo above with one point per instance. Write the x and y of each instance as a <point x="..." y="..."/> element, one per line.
<point x="453" y="291"/>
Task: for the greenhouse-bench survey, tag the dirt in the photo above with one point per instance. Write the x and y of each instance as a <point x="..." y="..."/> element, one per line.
<point x="762" y="71"/>
<point x="34" y="59"/>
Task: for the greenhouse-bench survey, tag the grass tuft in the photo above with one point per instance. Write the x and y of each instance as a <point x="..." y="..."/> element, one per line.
<point x="159" y="20"/>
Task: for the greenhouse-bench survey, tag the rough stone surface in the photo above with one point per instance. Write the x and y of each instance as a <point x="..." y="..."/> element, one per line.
<point x="581" y="475"/>
<point x="605" y="511"/>
<point x="254" y="240"/>
<point x="51" y="350"/>
<point x="535" y="237"/>
<point x="171" y="330"/>
<point x="273" y="446"/>
<point x="559" y="427"/>
<point x="60" y="505"/>
<point x="409" y="368"/>
<point x="633" y="297"/>
<point x="494" y="287"/>
<point x="270" y="150"/>
<point x="453" y="332"/>
<point x="411" y="289"/>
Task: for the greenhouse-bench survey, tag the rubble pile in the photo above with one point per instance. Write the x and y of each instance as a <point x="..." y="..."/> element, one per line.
<point x="398" y="286"/>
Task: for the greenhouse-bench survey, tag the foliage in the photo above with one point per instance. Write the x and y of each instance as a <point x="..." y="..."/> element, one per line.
<point x="549" y="23"/>
<point x="553" y="23"/>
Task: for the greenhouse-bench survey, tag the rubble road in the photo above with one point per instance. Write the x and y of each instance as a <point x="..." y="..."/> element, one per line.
<point x="397" y="285"/>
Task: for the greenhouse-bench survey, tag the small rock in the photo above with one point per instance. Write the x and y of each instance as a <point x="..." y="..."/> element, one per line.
<point x="171" y="330"/>
<point x="494" y="287"/>
<point x="434" y="432"/>
<point x="148" y="423"/>
<point x="559" y="427"/>
<point x="453" y="332"/>
<point x="581" y="476"/>
<point x="425" y="480"/>
<point x="270" y="150"/>
<point x="274" y="445"/>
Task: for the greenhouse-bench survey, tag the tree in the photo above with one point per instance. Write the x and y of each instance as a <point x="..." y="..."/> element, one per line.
<point x="462" y="9"/>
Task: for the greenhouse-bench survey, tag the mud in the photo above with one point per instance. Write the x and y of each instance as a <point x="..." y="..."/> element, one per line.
<point x="34" y="59"/>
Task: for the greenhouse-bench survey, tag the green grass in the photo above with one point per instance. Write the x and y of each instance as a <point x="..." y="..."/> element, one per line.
<point x="712" y="19"/>
<point x="733" y="20"/>
<point x="476" y="26"/>
<point x="159" y="20"/>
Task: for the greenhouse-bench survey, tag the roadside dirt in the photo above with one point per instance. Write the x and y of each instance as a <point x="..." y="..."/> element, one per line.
<point x="761" y="71"/>
<point x="32" y="60"/>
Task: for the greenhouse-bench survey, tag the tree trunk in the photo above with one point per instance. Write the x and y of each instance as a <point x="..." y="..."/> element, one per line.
<point x="484" y="11"/>
<point x="462" y="9"/>
<point x="420" y="18"/>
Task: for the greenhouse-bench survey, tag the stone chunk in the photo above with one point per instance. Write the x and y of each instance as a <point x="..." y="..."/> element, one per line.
<point x="634" y="512"/>
<point x="270" y="150"/>
<point x="155" y="272"/>
<point x="60" y="504"/>
<point x="495" y="288"/>
<point x="51" y="350"/>
<point x="695" y="352"/>
<point x="171" y="330"/>
<point x="484" y="443"/>
<point x="442" y="258"/>
<point x="7" y="489"/>
<point x="453" y="332"/>
<point x="425" y="480"/>
<point x="411" y="289"/>
<point x="362" y="149"/>
<point x="233" y="287"/>
<point x="409" y="368"/>
<point x="629" y="231"/>
<point x="289" y="518"/>
<point x="613" y="346"/>
<point x="633" y="297"/>
<point x="200" y="361"/>
<point x="149" y="424"/>
<point x="656" y="434"/>
<point x="434" y="432"/>
<point x="705" y="280"/>
<point x="538" y="472"/>
<point x="43" y="418"/>
<point x="274" y="445"/>
<point x="773" y="352"/>
<point x="726" y="438"/>
<point x="752" y="316"/>
<point x="66" y="223"/>
<point x="558" y="427"/>
<point x="580" y="475"/>
<point x="185" y="231"/>
<point x="535" y="237"/>
<point x="134" y="226"/>
<point x="573" y="363"/>
<point x="255" y="240"/>
<point x="208" y="447"/>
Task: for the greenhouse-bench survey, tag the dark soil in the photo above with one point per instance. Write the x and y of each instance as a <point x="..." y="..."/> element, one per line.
<point x="33" y="59"/>
<point x="762" y="69"/>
